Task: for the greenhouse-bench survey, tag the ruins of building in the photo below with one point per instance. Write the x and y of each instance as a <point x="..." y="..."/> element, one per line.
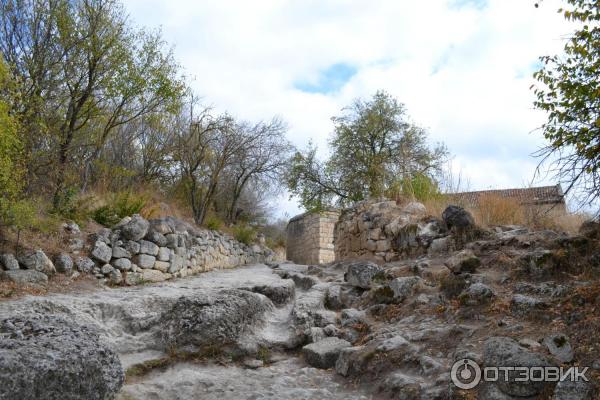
<point x="539" y="201"/>
<point x="310" y="236"/>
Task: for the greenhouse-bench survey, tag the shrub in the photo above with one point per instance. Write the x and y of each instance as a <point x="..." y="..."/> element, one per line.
<point x="119" y="205"/>
<point x="213" y="222"/>
<point x="244" y="233"/>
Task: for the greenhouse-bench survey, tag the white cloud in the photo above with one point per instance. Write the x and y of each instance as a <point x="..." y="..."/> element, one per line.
<point x="463" y="72"/>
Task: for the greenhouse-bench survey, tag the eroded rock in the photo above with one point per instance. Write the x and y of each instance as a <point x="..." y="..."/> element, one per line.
<point x="46" y="357"/>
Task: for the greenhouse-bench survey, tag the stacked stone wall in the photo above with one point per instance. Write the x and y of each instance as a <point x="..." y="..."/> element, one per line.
<point x="310" y="238"/>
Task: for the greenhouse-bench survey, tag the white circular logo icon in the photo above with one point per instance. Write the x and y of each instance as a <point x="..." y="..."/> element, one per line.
<point x="465" y="374"/>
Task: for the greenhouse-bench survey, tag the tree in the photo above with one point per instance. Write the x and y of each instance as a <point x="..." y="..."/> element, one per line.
<point x="373" y="147"/>
<point x="569" y="91"/>
<point x="14" y="211"/>
<point x="259" y="162"/>
<point x="84" y="72"/>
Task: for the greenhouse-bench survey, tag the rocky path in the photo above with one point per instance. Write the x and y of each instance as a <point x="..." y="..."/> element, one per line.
<point x="131" y="321"/>
<point x="351" y="329"/>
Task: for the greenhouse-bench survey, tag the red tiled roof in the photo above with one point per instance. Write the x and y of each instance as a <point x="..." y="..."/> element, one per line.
<point x="534" y="195"/>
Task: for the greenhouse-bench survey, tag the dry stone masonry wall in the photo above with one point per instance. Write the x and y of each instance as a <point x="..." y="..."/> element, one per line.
<point x="385" y="231"/>
<point x="136" y="251"/>
<point x="310" y="237"/>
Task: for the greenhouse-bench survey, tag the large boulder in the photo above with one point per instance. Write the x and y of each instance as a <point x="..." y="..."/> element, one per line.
<point x="39" y="261"/>
<point x="505" y="352"/>
<point x="136" y="228"/>
<point x="324" y="353"/>
<point x="213" y="319"/>
<point x="101" y="252"/>
<point x="361" y="273"/>
<point x="47" y="357"/>
<point x="457" y="217"/>
<point x="24" y="277"/>
<point x="64" y="263"/>
<point x="9" y="262"/>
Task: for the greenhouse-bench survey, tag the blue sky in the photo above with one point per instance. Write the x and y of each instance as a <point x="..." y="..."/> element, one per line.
<point x="463" y="68"/>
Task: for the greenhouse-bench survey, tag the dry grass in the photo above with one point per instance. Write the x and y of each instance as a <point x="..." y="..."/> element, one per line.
<point x="497" y="210"/>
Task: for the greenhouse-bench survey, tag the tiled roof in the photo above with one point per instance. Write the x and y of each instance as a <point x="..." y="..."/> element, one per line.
<point x="534" y="195"/>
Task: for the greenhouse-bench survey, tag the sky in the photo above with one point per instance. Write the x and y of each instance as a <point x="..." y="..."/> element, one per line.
<point x="463" y="69"/>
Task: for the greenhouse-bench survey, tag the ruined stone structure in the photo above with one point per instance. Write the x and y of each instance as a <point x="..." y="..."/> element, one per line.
<point x="544" y="200"/>
<point x="310" y="237"/>
<point x="385" y="231"/>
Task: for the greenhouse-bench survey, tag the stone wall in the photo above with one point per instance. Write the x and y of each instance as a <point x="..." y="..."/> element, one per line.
<point x="384" y="232"/>
<point x="136" y="251"/>
<point x="310" y="237"/>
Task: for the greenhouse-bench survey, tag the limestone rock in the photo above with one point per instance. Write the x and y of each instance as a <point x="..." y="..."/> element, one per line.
<point x="133" y="278"/>
<point x="455" y="216"/>
<point x="63" y="263"/>
<point x="149" y="248"/>
<point x="522" y="305"/>
<point x="101" y="252"/>
<point x="324" y="354"/>
<point x="567" y="390"/>
<point x="505" y="352"/>
<point x="38" y="261"/>
<point x="559" y="346"/>
<point x="414" y="208"/>
<point x="132" y="247"/>
<point x="84" y="264"/>
<point x="162" y="266"/>
<point x="115" y="277"/>
<point x="164" y="254"/>
<point x="75" y="244"/>
<point x="212" y="318"/>
<point x="351" y="361"/>
<point x="478" y="293"/>
<point x="279" y="292"/>
<point x="122" y="264"/>
<point x="47" y="357"/>
<point x="120" y="252"/>
<point x="404" y="287"/>
<point x="144" y="261"/>
<point x="107" y="269"/>
<point x="156" y="237"/>
<point x="136" y="228"/>
<point x="24" y="276"/>
<point x="463" y="261"/>
<point x="9" y="262"/>
<point x="154" y="276"/>
<point x="361" y="273"/>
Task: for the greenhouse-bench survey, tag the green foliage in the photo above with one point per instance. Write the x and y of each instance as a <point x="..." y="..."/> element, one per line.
<point x="373" y="148"/>
<point x="569" y="92"/>
<point x="419" y="187"/>
<point x="14" y="211"/>
<point x="213" y="222"/>
<point x="244" y="233"/>
<point x="120" y="205"/>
